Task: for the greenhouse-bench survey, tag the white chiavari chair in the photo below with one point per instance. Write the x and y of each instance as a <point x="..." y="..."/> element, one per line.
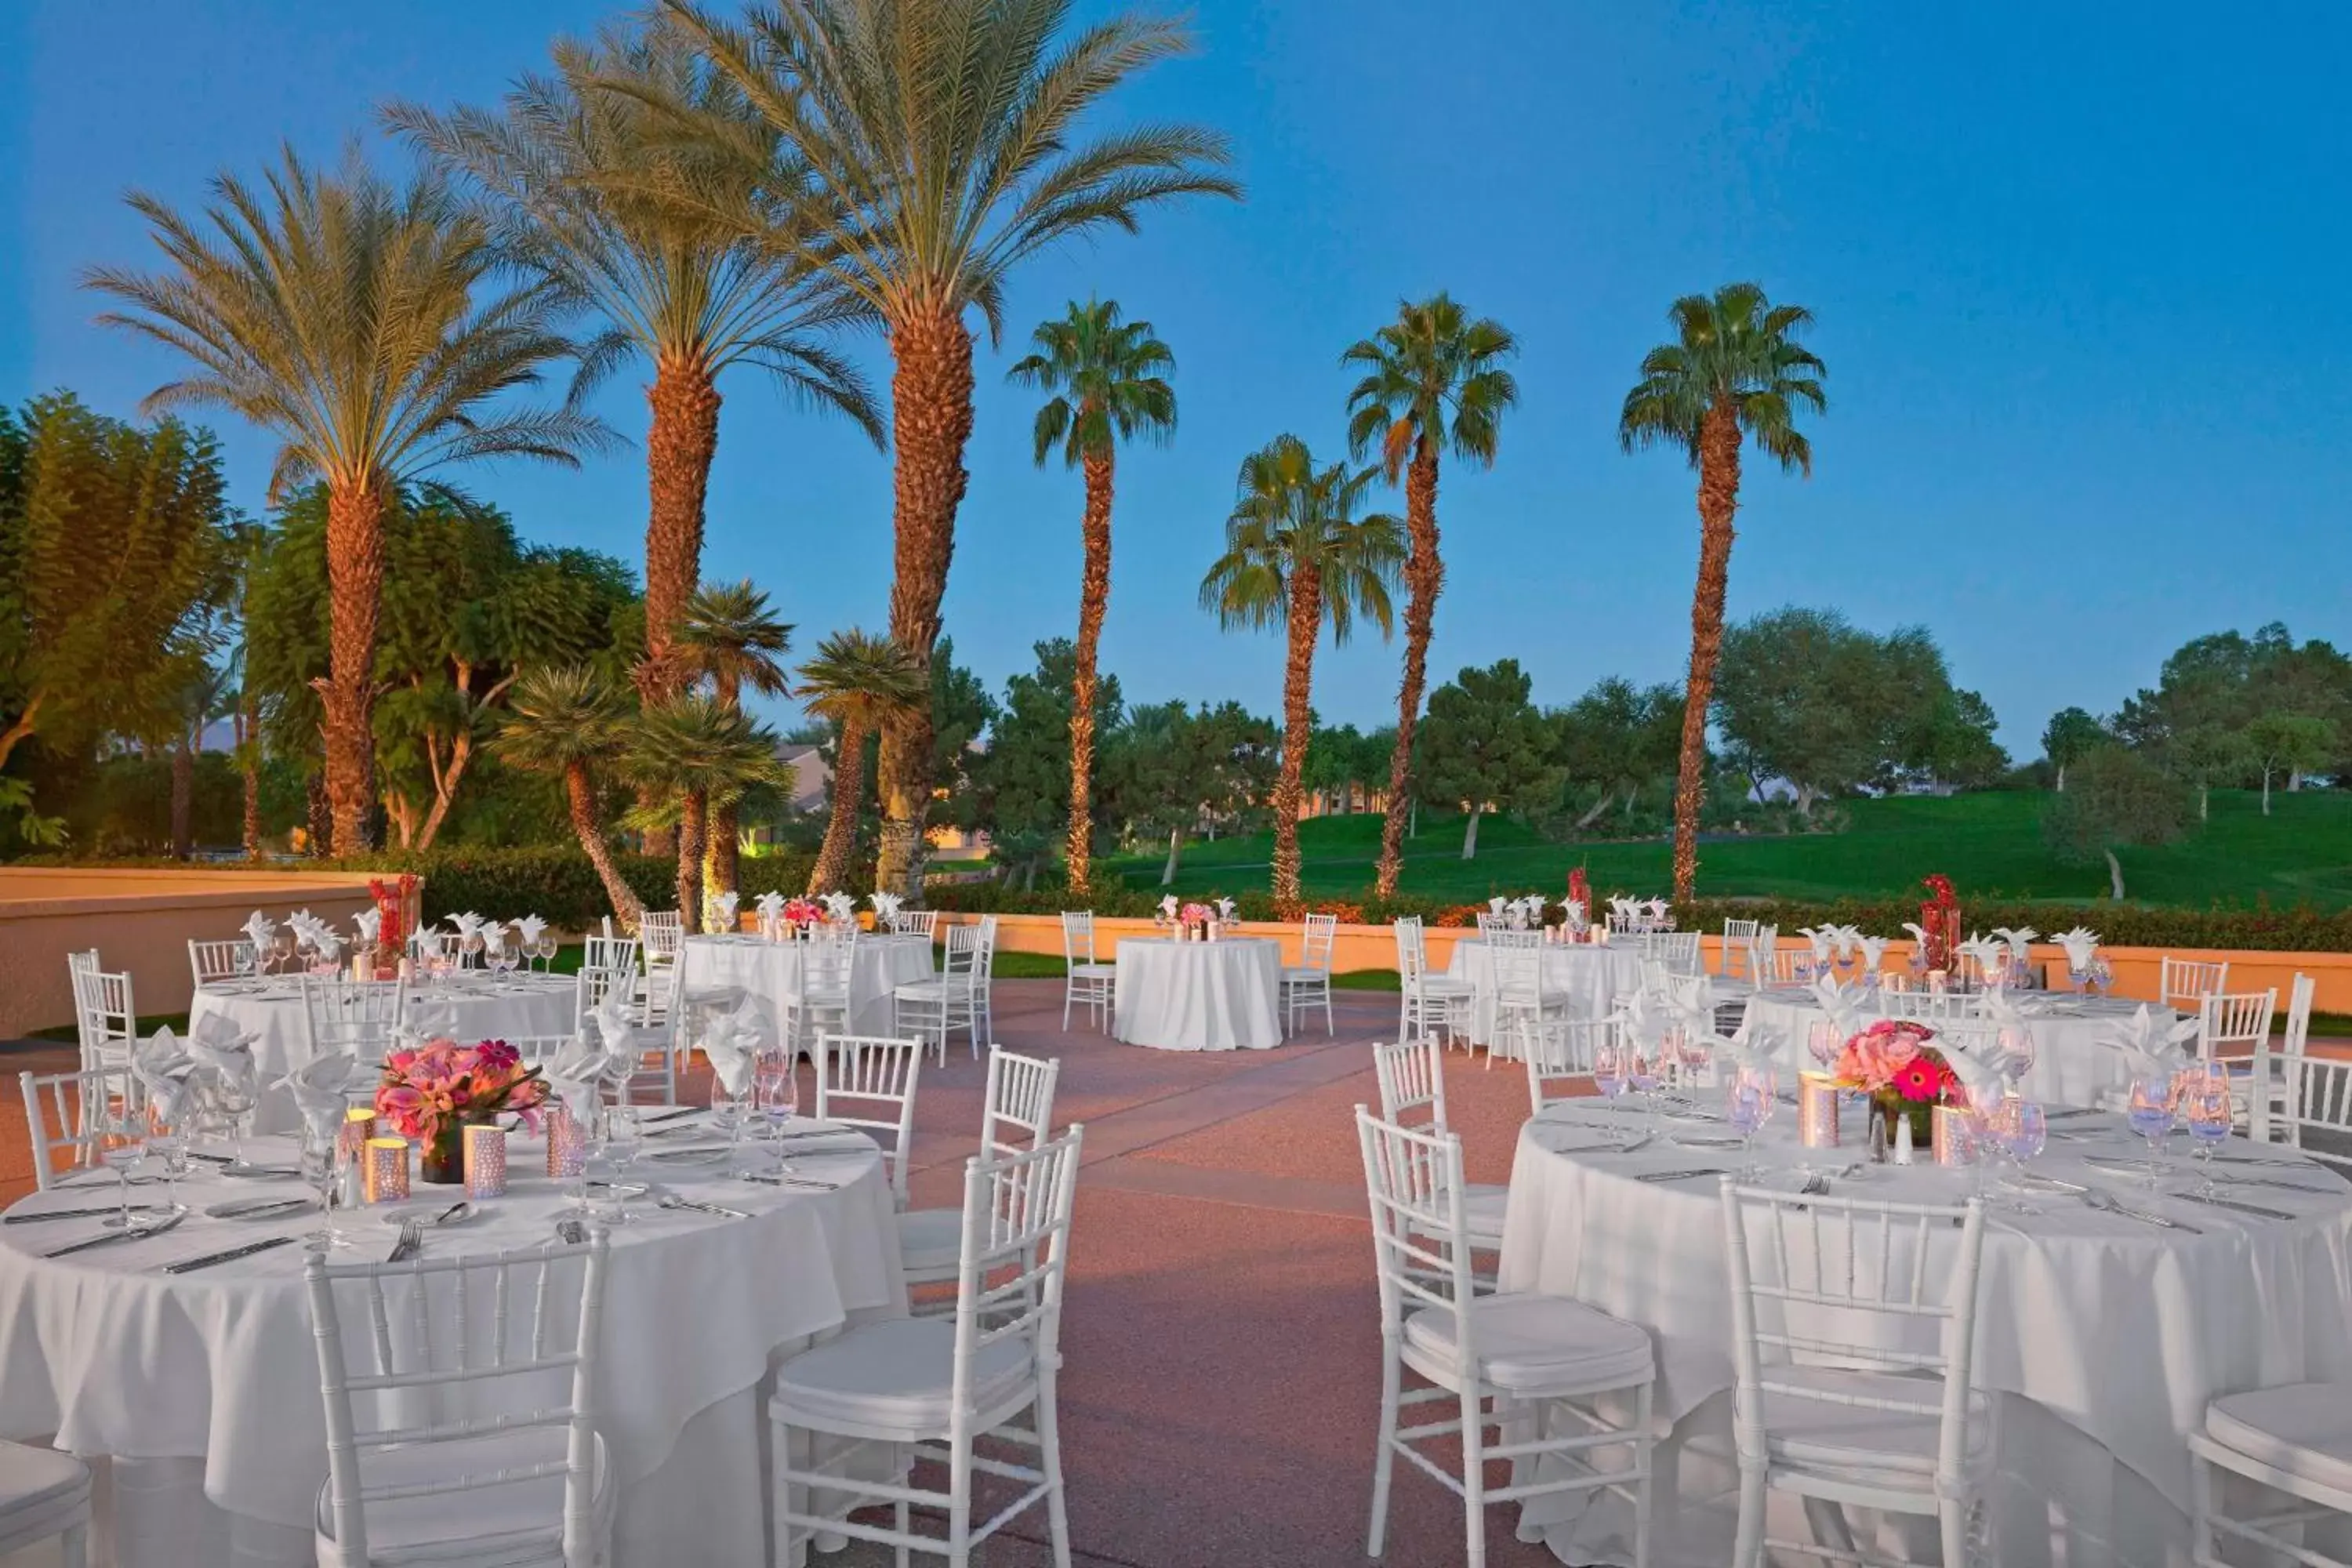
<point x="2315" y="1110"/>
<point x="1779" y="965"/>
<point x="2276" y="1067"/>
<point x="1308" y="983"/>
<point x="819" y="1003"/>
<point x="1736" y="961"/>
<point x="2233" y="1033"/>
<point x="64" y="1110"/>
<point x="2184" y="982"/>
<point x="597" y="984"/>
<point x="1504" y="936"/>
<point x="1677" y="951"/>
<point x="1488" y="924"/>
<point x="1088" y="982"/>
<point x="106" y="1017"/>
<point x="1411" y="1075"/>
<point x="1926" y="1004"/>
<point x="942" y="1385"/>
<point x="1510" y="1349"/>
<point x="924" y="923"/>
<point x="868" y="1081"/>
<point x="615" y="952"/>
<point x="2295" y="1442"/>
<point x="1560" y="1056"/>
<point x="951" y="999"/>
<point x="1524" y="999"/>
<point x="536" y="1050"/>
<point x="43" y="1496"/>
<point x="1867" y="1313"/>
<point x="661" y="936"/>
<point x="1019" y="1115"/>
<point x="524" y="1478"/>
<point x="984" y="984"/>
<point x="664" y="1047"/>
<point x="211" y="962"/>
<point x="1430" y="1003"/>
<point x="354" y="1016"/>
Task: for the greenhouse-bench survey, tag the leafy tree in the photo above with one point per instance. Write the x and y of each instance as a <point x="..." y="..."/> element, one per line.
<point x="1344" y="760"/>
<point x="1299" y="556"/>
<point x="2204" y="755"/>
<point x="1175" y="771"/>
<point x="1109" y="381"/>
<point x="730" y="637"/>
<point x="1024" y="777"/>
<point x="113" y="550"/>
<point x="567" y="721"/>
<point x="365" y="327"/>
<point x="693" y="750"/>
<point x="2071" y="735"/>
<point x="1735" y="372"/>
<point x="583" y="176"/>
<point x="2119" y="799"/>
<point x="1485" y="746"/>
<point x="1954" y="741"/>
<point x="860" y="682"/>
<point x="2226" y="681"/>
<point x="1616" y="740"/>
<point x="944" y="143"/>
<point x="1433" y="379"/>
<point x="2288" y="743"/>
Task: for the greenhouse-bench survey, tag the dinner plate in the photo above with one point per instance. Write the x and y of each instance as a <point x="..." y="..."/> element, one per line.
<point x="428" y="1215"/>
<point x="686" y="1156"/>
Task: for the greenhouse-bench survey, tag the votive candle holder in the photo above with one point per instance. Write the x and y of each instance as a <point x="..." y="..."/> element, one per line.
<point x="387" y="1171"/>
<point x="1817" y="1110"/>
<point x="358" y="1126"/>
<point x="567" y="1143"/>
<point x="486" y="1162"/>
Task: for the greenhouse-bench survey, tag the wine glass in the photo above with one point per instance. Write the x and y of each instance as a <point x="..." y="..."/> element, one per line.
<point x="281" y="949"/>
<point x="778" y="1087"/>
<point x="2149" y="1114"/>
<point x="168" y="1142"/>
<point x="727" y="1113"/>
<point x="2017" y="1052"/>
<point x="1822" y="1041"/>
<point x="542" y="947"/>
<point x="232" y="1102"/>
<point x="1641" y="1075"/>
<point x="1692" y="1056"/>
<point x="2024" y="1128"/>
<point x="470" y="945"/>
<point x="624" y="1138"/>
<point x="1609" y="1070"/>
<point x="245" y="959"/>
<point x="323" y="1168"/>
<point x="2206" y="1105"/>
<point x="1748" y="1105"/>
<point x="122" y="1147"/>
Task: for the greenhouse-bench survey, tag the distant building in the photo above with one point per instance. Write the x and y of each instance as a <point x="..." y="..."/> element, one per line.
<point x="812" y="778"/>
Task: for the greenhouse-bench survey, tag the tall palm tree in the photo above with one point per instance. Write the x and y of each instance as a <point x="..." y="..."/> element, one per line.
<point x="1433" y="379"/>
<point x="359" y="323"/>
<point x="946" y="143"/>
<point x="1109" y="381"/>
<point x="1297" y="556"/>
<point x="729" y="636"/>
<point x="574" y="174"/>
<point x="567" y="722"/>
<point x="1735" y="371"/>
<point x="860" y="682"/>
<point x="693" y="750"/>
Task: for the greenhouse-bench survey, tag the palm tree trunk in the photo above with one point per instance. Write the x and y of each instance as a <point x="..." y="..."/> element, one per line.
<point x="832" y="868"/>
<point x="693" y="817"/>
<point x="930" y="422"/>
<point x="581" y="796"/>
<point x="318" y="815"/>
<point x="681" y="440"/>
<point x="248" y="752"/>
<point x="1094" y="597"/>
<point x="184" y="797"/>
<point x="1424" y="579"/>
<point x="722" y="858"/>
<point x="1718" y="500"/>
<point x="347" y="695"/>
<point x="1297" y="716"/>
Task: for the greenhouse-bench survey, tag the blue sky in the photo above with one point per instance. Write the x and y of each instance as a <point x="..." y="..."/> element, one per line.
<point x="2073" y="277"/>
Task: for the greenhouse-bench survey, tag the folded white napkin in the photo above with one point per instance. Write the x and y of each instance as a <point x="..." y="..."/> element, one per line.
<point x="1575" y="911"/>
<point x="1874" y="950"/>
<point x="771" y="907"/>
<point x="722" y="910"/>
<point x="2154" y="1044"/>
<point x="1839" y="1004"/>
<point x="1980" y="1074"/>
<point x="317" y="1086"/>
<point x="2081" y="945"/>
<point x="369" y="924"/>
<point x="1495" y="904"/>
<point x="839" y="907"/>
<point x="731" y="1050"/>
<point x="224" y="1051"/>
<point x="1167" y="907"/>
<point x="1658" y="907"/>
<point x="168" y="1073"/>
<point x="467" y="923"/>
<point x="1989" y="954"/>
<point x="1225" y="908"/>
<point x="578" y="1069"/>
<point x="1919" y="933"/>
<point x="2020" y="940"/>
<point x="531" y="928"/>
<point x="260" y="930"/>
<point x="886" y="906"/>
<point x="1823" y="941"/>
<point x="1647" y="1018"/>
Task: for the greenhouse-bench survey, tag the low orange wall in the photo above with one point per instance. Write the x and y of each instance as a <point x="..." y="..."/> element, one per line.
<point x="2137" y="969"/>
<point x="140" y="921"/>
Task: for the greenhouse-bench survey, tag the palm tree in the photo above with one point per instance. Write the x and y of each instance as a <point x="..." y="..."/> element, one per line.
<point x="1297" y="555"/>
<point x="565" y="722"/>
<point x="729" y="636"/>
<point x="362" y="325"/>
<point x="1433" y="379"/>
<point x="1734" y="370"/>
<point x="1110" y="382"/>
<point x="694" y="751"/>
<point x="571" y="171"/>
<point x="945" y="142"/>
<point x="861" y="683"/>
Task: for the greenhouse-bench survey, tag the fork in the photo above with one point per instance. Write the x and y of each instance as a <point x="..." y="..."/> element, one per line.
<point x="411" y="1242"/>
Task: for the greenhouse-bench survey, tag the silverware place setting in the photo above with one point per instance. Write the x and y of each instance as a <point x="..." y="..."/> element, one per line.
<point x="229" y="1254"/>
<point x="128" y="1233"/>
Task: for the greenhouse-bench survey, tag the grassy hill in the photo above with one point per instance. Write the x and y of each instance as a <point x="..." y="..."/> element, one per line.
<point x="1990" y="844"/>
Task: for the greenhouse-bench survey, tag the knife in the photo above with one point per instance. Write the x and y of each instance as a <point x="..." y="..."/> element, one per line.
<point x="208" y="1259"/>
<point x="112" y="1209"/>
<point x="796" y="1181"/>
<point x="2233" y="1203"/>
<point x="132" y="1233"/>
<point x="669" y="1115"/>
<point x="1679" y="1175"/>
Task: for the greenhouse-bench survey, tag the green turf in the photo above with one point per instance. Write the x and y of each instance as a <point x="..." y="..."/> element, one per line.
<point x="1989" y="843"/>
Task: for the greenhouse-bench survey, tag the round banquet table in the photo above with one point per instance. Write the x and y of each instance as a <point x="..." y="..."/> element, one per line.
<point x="2102" y="1337"/>
<point x="203" y="1388"/>
<point x="2072" y="1065"/>
<point x="1221" y="995"/>
<point x="1589" y="975"/>
<point x="769" y="973"/>
<point x="473" y="1007"/>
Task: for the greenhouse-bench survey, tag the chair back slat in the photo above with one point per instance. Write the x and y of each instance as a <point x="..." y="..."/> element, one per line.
<point x="1561" y="1051"/>
<point x="355" y="1016"/>
<point x="1015" y="1255"/>
<point x="611" y="952"/>
<point x="1318" y="941"/>
<point x="64" y="1111"/>
<point x="868" y="1081"/>
<point x="1412" y="951"/>
<point x="1078" y="936"/>
<point x="1411" y="1075"/>
<point x="2183" y="983"/>
<point x="2235" y="1028"/>
<point x="1415" y="1185"/>
<point x="924" y="923"/>
<point x="1020" y="1101"/>
<point x="105" y="1016"/>
<point x="210" y="962"/>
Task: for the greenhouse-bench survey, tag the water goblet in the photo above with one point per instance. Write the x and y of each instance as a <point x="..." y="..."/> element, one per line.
<point x="727" y="1113"/>
<point x="778" y="1089"/>
<point x="2016" y="1051"/>
<point x="245" y="960"/>
<point x="623" y="1137"/>
<point x="1822" y="1043"/>
<point x="121" y="1146"/>
<point x="2206" y="1105"/>
<point x="543" y="949"/>
<point x="2149" y="1114"/>
<point x="1642" y="1075"/>
<point x="1609" y="1070"/>
<point x="1748" y="1105"/>
<point x="2024" y="1132"/>
<point x="281" y="949"/>
<point x="323" y="1168"/>
<point x="168" y="1142"/>
<point x="470" y="944"/>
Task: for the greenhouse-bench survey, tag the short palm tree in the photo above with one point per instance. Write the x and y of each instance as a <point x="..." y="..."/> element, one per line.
<point x="1433" y="379"/>
<point x="730" y="637"/>
<point x="1109" y="381"/>
<point x="1735" y="371"/>
<point x="946" y="145"/>
<point x="363" y="325"/>
<point x="860" y="683"/>
<point x="567" y="722"/>
<point x="694" y="751"/>
<point x="1297" y="556"/>
<point x="571" y="171"/>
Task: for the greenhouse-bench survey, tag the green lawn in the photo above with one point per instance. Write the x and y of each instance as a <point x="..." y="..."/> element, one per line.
<point x="1990" y="844"/>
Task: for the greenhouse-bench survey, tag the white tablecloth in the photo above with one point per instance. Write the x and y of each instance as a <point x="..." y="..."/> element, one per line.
<point x="769" y="972"/>
<point x="1588" y="976"/>
<point x="209" y="1380"/>
<point x="2108" y="1335"/>
<point x="1220" y="995"/>
<point x="2072" y="1066"/>
<point x="473" y="1009"/>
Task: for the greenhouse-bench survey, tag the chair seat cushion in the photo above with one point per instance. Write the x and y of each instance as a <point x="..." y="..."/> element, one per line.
<point x="42" y="1492"/>
<point x="2303" y="1428"/>
<point x="1442" y="986"/>
<point x="1299" y="975"/>
<point x="514" y="1525"/>
<point x="1535" y="1344"/>
<point x="1483" y="1203"/>
<point x="1093" y="971"/>
<point x="1856" y="1442"/>
<point x="894" y="1377"/>
<point x="923" y="991"/>
<point x="930" y="1241"/>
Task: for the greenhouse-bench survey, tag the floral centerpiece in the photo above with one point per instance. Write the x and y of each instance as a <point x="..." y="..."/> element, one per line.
<point x="1904" y="1077"/>
<point x="1196" y="917"/>
<point x="430" y="1093"/>
<point x="802" y="913"/>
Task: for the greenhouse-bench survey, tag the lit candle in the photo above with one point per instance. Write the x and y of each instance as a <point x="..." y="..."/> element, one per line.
<point x="387" y="1170"/>
<point x="486" y="1160"/>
